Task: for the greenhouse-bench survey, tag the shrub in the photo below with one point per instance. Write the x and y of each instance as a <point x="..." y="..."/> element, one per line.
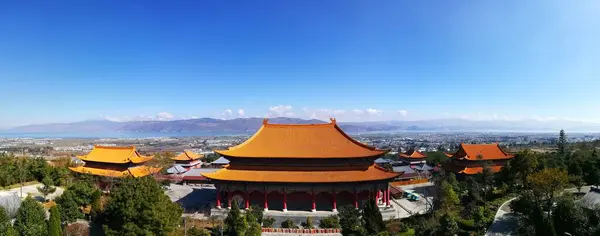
<point x="268" y="222"/>
<point x="308" y="224"/>
<point x="288" y="224"/>
<point x="331" y="222"/>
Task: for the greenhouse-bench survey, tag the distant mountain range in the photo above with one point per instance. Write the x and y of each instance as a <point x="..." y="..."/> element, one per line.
<point x="245" y="125"/>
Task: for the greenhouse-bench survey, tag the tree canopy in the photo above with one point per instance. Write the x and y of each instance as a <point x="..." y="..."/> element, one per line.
<point x="31" y="219"/>
<point x="138" y="206"/>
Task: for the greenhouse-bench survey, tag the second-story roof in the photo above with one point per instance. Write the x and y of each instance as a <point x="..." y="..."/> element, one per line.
<point x="116" y="155"/>
<point x="301" y="141"/>
<point x="476" y="152"/>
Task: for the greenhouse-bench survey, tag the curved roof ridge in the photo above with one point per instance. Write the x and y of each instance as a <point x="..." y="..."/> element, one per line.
<point x="301" y="141"/>
<point x="115" y="154"/>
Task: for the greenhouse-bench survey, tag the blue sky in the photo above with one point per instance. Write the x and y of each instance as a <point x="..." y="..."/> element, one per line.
<point x="63" y="61"/>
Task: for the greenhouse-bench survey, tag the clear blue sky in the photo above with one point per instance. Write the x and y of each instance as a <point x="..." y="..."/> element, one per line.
<point x="63" y="61"/>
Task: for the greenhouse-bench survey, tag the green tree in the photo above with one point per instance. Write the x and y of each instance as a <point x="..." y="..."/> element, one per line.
<point x="47" y="187"/>
<point x="479" y="220"/>
<point x="448" y="226"/>
<point x="562" y="143"/>
<point x="593" y="177"/>
<point x="308" y="224"/>
<point x="74" y="198"/>
<point x="547" y="183"/>
<point x="54" y="226"/>
<point x="6" y="228"/>
<point x="524" y="164"/>
<point x="350" y="221"/>
<point x="198" y="232"/>
<point x="235" y="223"/>
<point x="31" y="219"/>
<point x="139" y="206"/>
<point x="257" y="212"/>
<point x="570" y="218"/>
<point x="254" y="228"/>
<point x="447" y="199"/>
<point x="373" y="221"/>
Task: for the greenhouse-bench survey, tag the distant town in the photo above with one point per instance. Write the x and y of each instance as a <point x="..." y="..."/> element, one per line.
<point x="397" y="142"/>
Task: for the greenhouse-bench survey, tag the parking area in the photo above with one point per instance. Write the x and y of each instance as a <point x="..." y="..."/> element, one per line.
<point x="407" y="207"/>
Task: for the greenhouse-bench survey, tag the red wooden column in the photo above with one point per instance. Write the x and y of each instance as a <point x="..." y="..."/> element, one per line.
<point x="355" y="199"/>
<point x="387" y="199"/>
<point x="314" y="202"/>
<point x="247" y="199"/>
<point x="229" y="199"/>
<point x="218" y="196"/>
<point x="383" y="200"/>
<point x="284" y="201"/>
<point x="334" y="201"/>
<point x="376" y="196"/>
<point x="266" y="200"/>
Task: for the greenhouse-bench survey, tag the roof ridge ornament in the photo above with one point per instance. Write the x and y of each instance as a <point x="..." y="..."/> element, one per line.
<point x="265" y="121"/>
<point x="332" y="120"/>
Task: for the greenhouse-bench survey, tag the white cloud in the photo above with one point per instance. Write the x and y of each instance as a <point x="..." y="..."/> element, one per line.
<point x="358" y="111"/>
<point x="164" y="116"/>
<point x="241" y="113"/>
<point x="227" y="114"/>
<point x="323" y="113"/>
<point x="281" y="111"/>
<point x="403" y="112"/>
<point x="374" y="112"/>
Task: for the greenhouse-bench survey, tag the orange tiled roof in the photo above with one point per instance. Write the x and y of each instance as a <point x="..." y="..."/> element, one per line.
<point x="302" y="176"/>
<point x="477" y="170"/>
<point x="413" y="155"/>
<point x="301" y="141"/>
<point x="138" y="171"/>
<point x="485" y="151"/>
<point x="115" y="155"/>
<point x="187" y="156"/>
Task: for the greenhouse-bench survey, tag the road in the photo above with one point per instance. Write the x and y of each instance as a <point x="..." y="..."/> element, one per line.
<point x="504" y="221"/>
<point x="32" y="190"/>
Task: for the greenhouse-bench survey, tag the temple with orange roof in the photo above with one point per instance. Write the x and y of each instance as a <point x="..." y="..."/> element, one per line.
<point x="413" y="157"/>
<point x="301" y="167"/>
<point x="112" y="161"/>
<point x="188" y="159"/>
<point x="470" y="158"/>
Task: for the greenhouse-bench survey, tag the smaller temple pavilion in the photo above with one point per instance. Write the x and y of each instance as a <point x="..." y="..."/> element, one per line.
<point x="188" y="159"/>
<point x="114" y="161"/>
<point x="470" y="158"/>
<point x="413" y="157"/>
<point x="301" y="167"/>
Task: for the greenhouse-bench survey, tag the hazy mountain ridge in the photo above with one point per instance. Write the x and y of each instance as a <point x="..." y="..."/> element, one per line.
<point x="244" y="125"/>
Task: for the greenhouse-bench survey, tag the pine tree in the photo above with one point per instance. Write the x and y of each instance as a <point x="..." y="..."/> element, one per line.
<point x="254" y="228"/>
<point x="54" y="227"/>
<point x="562" y="143"/>
<point x="6" y="228"/>
<point x="372" y="218"/>
<point x="47" y="187"/>
<point x="235" y="223"/>
<point x="31" y="219"/>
